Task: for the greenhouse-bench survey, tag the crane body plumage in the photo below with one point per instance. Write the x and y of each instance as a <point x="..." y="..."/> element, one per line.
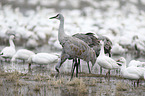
<point x="72" y="47"/>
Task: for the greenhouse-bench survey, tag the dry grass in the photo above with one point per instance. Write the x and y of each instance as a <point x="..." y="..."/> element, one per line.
<point x="1" y="82"/>
<point x="79" y="84"/>
<point x="117" y="93"/>
<point x="13" y="77"/>
<point x="39" y="77"/>
<point x="36" y="88"/>
<point x="120" y="86"/>
<point x="56" y="83"/>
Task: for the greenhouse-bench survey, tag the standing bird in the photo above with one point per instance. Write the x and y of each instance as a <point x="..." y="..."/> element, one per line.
<point x="22" y="54"/>
<point x="131" y="72"/>
<point x="8" y="52"/>
<point x="94" y="43"/>
<point x="105" y="61"/>
<point x="72" y="48"/>
<point x="107" y="44"/>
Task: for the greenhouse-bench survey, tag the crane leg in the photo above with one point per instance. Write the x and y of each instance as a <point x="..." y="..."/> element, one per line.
<point x="73" y="68"/>
<point x="89" y="67"/>
<point x="61" y="61"/>
<point x="79" y="65"/>
<point x="137" y="82"/>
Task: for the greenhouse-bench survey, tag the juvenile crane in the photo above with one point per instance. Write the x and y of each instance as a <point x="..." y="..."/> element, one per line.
<point x="73" y="48"/>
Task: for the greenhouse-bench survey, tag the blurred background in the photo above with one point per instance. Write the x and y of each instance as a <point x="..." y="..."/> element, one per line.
<point x="119" y="20"/>
<point x="122" y="21"/>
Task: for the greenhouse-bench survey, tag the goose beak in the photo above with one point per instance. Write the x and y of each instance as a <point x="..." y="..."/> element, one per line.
<point x="119" y="63"/>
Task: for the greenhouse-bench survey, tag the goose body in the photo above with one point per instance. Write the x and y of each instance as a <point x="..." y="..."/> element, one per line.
<point x="131" y="72"/>
<point x="22" y="54"/>
<point x="136" y="63"/>
<point x="105" y="61"/>
<point x="43" y="58"/>
<point x="8" y="52"/>
<point x="117" y="49"/>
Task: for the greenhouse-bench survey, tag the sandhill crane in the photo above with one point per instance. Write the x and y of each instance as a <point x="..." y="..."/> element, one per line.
<point x="94" y="42"/>
<point x="9" y="51"/>
<point x="73" y="48"/>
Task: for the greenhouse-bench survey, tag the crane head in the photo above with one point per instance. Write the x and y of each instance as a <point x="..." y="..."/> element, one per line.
<point x="58" y="16"/>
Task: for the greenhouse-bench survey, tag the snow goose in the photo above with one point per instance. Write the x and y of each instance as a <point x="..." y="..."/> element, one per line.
<point x="43" y="58"/>
<point x="22" y="54"/>
<point x="136" y="63"/>
<point x="132" y="72"/>
<point x="105" y="61"/>
<point x="8" y="52"/>
<point x="117" y="49"/>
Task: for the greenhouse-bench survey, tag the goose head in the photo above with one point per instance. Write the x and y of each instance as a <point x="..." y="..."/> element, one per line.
<point x="121" y="61"/>
<point x="12" y="37"/>
<point x="58" y="16"/>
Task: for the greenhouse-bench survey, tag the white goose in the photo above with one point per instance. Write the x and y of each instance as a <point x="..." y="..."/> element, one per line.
<point x="105" y="61"/>
<point x="22" y="54"/>
<point x="42" y="58"/>
<point x="8" y="52"/>
<point x="132" y="72"/>
<point x="136" y="63"/>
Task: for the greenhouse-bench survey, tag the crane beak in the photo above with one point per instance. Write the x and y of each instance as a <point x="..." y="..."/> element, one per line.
<point x="52" y="17"/>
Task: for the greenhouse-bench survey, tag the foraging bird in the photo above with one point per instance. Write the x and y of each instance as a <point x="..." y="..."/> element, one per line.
<point x="132" y="72"/>
<point x="22" y="54"/>
<point x="42" y="59"/>
<point x="8" y="52"/>
<point x="73" y="48"/>
<point x="105" y="61"/>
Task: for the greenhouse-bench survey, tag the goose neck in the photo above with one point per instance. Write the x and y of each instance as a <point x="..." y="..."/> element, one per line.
<point x="123" y="67"/>
<point x="102" y="49"/>
<point x="11" y="43"/>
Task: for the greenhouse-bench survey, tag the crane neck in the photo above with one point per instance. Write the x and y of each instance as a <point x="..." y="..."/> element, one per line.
<point x="11" y="43"/>
<point x="61" y="33"/>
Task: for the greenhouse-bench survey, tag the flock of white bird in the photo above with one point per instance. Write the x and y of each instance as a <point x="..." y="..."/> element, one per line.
<point x="126" y="32"/>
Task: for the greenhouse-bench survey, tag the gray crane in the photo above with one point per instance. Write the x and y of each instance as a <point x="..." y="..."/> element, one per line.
<point x="72" y="47"/>
<point x="94" y="42"/>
